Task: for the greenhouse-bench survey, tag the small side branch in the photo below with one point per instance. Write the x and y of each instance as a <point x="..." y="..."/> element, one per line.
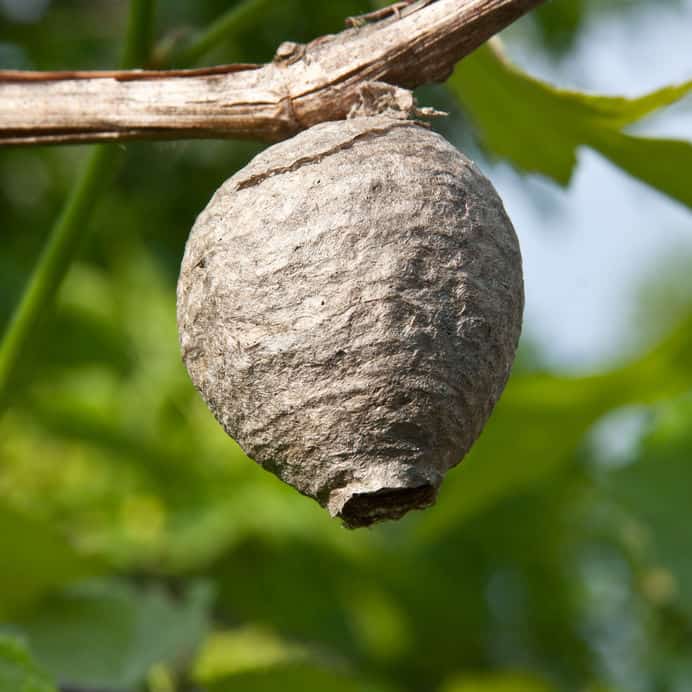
<point x="303" y="85"/>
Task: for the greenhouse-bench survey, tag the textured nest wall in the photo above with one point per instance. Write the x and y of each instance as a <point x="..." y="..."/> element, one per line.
<point x="349" y="307"/>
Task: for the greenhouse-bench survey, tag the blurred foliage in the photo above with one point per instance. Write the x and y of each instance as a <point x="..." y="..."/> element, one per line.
<point x="549" y="124"/>
<point x="559" y="23"/>
<point x="41" y="560"/>
<point x="109" y="635"/>
<point x="660" y="462"/>
<point x="140" y="549"/>
<point x="18" y="671"/>
<point x="497" y="683"/>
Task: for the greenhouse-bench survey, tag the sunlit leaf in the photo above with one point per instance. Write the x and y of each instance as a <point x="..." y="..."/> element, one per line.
<point x="539" y="127"/>
<point x="255" y="660"/>
<point x="294" y="678"/>
<point x="19" y="672"/>
<point x="503" y="682"/>
<point x="234" y="652"/>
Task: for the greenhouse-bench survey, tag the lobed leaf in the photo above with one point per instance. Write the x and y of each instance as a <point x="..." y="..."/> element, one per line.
<point x="539" y="127"/>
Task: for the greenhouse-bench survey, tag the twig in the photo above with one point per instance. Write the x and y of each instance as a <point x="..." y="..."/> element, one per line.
<point x="376" y="15"/>
<point x="302" y="86"/>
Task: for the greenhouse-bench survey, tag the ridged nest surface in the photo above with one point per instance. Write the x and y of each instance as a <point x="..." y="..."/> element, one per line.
<point x="349" y="307"/>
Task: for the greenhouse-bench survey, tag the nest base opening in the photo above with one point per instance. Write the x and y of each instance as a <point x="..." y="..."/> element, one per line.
<point x="364" y="509"/>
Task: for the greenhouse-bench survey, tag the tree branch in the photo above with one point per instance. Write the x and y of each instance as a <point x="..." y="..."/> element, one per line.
<point x="303" y="85"/>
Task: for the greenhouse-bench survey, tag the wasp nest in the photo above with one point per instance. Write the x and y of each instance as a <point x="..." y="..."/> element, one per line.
<point x="349" y="307"/>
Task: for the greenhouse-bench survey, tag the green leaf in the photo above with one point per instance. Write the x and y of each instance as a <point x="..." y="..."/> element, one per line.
<point x="501" y="682"/>
<point x="243" y="650"/>
<point x="18" y="670"/>
<point x="36" y="559"/>
<point x="250" y="659"/>
<point x="294" y="678"/>
<point x="659" y="162"/>
<point x="539" y="127"/>
<point x="107" y="634"/>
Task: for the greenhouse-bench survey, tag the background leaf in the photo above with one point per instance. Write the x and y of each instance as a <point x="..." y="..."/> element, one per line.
<point x="18" y="671"/>
<point x="107" y="634"/>
<point x="539" y="127"/>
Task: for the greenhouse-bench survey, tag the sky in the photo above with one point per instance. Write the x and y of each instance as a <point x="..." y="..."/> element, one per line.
<point x="586" y="248"/>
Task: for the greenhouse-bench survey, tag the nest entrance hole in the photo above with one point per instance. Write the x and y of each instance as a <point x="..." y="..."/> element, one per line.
<point x="364" y="509"/>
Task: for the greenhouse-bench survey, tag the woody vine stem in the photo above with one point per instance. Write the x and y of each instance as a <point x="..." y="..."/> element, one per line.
<point x="304" y="84"/>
